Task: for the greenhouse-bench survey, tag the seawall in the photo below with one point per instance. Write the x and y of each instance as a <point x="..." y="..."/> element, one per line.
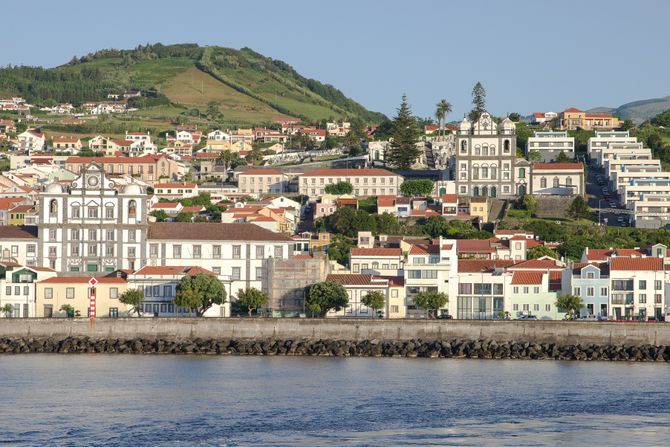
<point x="175" y="329"/>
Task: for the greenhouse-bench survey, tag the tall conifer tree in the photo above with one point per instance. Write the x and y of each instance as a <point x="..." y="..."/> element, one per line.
<point x="404" y="152"/>
<point x="478" y="101"/>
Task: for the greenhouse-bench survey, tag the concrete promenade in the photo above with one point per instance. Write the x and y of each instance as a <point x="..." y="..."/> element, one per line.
<point x="559" y="332"/>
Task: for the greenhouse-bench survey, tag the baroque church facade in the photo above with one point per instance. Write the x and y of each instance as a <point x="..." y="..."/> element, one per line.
<point x="484" y="161"/>
<point x="91" y="226"/>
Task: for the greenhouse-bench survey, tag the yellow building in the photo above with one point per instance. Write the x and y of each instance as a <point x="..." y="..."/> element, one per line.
<point x="17" y="215"/>
<point x="54" y="293"/>
<point x="395" y="298"/>
<point x="572" y="118"/>
<point x="479" y="208"/>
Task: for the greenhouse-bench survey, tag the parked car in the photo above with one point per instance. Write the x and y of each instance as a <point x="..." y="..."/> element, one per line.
<point x="527" y="317"/>
<point x="603" y="318"/>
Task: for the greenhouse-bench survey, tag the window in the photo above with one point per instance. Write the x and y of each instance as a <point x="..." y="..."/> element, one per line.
<point x="465" y="288"/>
<point x="76" y="211"/>
<point x="543" y="182"/>
<point x="52" y="234"/>
<point x="590" y="291"/>
<point x="658" y="285"/>
<point x="260" y="251"/>
<point x="555" y="182"/>
<point x="603" y="291"/>
<point x="216" y="270"/>
<point x="167" y="291"/>
<point x="197" y="251"/>
<point x="93" y="212"/>
<point x="8" y="291"/>
<point x="515" y="307"/>
<point x="590" y="275"/>
<point x="74" y="250"/>
<point x="658" y="298"/>
<point x="131" y="235"/>
<point x="577" y="291"/>
<point x="506" y="145"/>
<point x="113" y="312"/>
<point x="92" y="250"/>
<point x="525" y="289"/>
<point x="356" y="268"/>
<point x="131" y="252"/>
<point x="69" y="292"/>
<point x="547" y="307"/>
<point x="642" y="284"/>
<point x="526" y="307"/>
<point x="132" y="209"/>
<point x="237" y="252"/>
<point x="176" y="251"/>
<point x="259" y="273"/>
<point x="109" y="212"/>
<point x="642" y="298"/>
<point x="236" y="274"/>
<point x="48" y="293"/>
<point x="153" y="250"/>
<point x="113" y="292"/>
<point x="536" y="290"/>
<point x="156" y="290"/>
<point x="522" y="173"/>
<point x="395" y="309"/>
<point x="92" y="235"/>
<point x="110" y="235"/>
<point x="394" y="293"/>
<point x="74" y="235"/>
<point x="516" y="289"/>
<point x="279" y="251"/>
<point x="53" y="208"/>
<point x="536" y="307"/>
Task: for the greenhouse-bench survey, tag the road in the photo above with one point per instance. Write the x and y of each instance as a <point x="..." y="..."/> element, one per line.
<point x="600" y="203"/>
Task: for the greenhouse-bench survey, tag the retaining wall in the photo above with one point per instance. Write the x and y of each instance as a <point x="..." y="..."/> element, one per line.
<point x="559" y="332"/>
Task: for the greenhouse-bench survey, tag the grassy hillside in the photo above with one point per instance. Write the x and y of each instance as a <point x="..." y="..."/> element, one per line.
<point x="247" y="87"/>
<point x="638" y="111"/>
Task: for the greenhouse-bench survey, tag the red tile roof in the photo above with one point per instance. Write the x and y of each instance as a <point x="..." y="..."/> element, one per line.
<point x="351" y="279"/>
<point x="557" y="166"/>
<point x="350" y="172"/>
<point x="572" y="110"/>
<point x="165" y="205"/>
<point x="65" y="140"/>
<point x="376" y="252"/>
<point x="538" y="264"/>
<point x="424" y="249"/>
<point x="621" y="263"/>
<point x="101" y="160"/>
<point x="394" y="281"/>
<point x="205" y="231"/>
<point x="474" y="246"/>
<point x="262" y="172"/>
<point x="450" y="198"/>
<point x="526" y="277"/>
<point x="538" y="114"/>
<point x="386" y="201"/>
<point x="598" y="115"/>
<point x="18" y="232"/>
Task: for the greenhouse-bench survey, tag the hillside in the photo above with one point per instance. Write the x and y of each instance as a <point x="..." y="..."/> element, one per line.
<point x="246" y="87"/>
<point x="638" y="111"/>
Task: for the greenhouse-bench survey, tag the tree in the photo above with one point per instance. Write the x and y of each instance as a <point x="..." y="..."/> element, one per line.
<point x="339" y="188"/>
<point x="515" y="117"/>
<point x="68" y="309"/>
<point x="226" y="158"/>
<point x="435" y="226"/>
<point x="339" y="248"/>
<point x="133" y="297"/>
<point x="405" y="133"/>
<point x="442" y="109"/>
<point x="478" y="101"/>
<point x="522" y="135"/>
<point x="160" y="215"/>
<point x="431" y="301"/>
<point x="540" y="251"/>
<point x="571" y="304"/>
<point x="530" y="203"/>
<point x="325" y="296"/>
<point x="184" y="217"/>
<point x="8" y="310"/>
<point x="534" y="156"/>
<point x="562" y="157"/>
<point x="579" y="208"/>
<point x="374" y="300"/>
<point x="423" y="187"/>
<point x="628" y="125"/>
<point x="252" y="299"/>
<point x="199" y="292"/>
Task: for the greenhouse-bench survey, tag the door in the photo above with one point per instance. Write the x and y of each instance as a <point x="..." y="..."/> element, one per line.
<point x="603" y="309"/>
<point x="48" y="311"/>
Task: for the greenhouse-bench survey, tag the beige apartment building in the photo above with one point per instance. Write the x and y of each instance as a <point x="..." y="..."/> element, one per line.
<point x="366" y="182"/>
<point x="262" y="181"/>
<point x="53" y="293"/>
<point x="573" y="118"/>
<point x="148" y="168"/>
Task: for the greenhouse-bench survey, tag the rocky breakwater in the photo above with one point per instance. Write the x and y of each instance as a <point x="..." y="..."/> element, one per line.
<point x="473" y="349"/>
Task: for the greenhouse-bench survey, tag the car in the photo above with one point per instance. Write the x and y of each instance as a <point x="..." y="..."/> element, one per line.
<point x="619" y="219"/>
<point x="589" y="317"/>
<point x="603" y="318"/>
<point x="527" y="317"/>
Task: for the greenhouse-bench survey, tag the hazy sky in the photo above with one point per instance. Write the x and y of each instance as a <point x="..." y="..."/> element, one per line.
<point x="530" y="55"/>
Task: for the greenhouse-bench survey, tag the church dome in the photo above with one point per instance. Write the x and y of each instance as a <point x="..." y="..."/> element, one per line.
<point x="54" y="188"/>
<point x="465" y="125"/>
<point x="507" y="124"/>
<point x="132" y="189"/>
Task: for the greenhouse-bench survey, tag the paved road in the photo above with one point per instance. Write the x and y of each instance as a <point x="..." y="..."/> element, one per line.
<point x="600" y="203"/>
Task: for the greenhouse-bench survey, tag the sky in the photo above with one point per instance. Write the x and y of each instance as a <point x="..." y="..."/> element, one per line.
<point x="529" y="55"/>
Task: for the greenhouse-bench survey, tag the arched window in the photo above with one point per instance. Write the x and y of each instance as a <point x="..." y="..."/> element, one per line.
<point x="485" y="172"/>
<point x="478" y="149"/>
<point x="76" y="210"/>
<point x="494" y="191"/>
<point x="475" y="172"/>
<point x="506" y="146"/>
<point x="494" y="172"/>
<point x="568" y="181"/>
<point x="375" y="265"/>
<point x="543" y="182"/>
<point x="485" y="191"/>
<point x="53" y="207"/>
<point x="464" y="146"/>
<point x="492" y="149"/>
<point x="485" y="149"/>
<point x="109" y="211"/>
<point x="376" y="155"/>
<point x="522" y="173"/>
<point x="132" y="208"/>
<point x="555" y="182"/>
<point x="475" y="191"/>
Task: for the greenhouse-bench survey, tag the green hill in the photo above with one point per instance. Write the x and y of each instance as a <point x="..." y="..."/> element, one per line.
<point x="638" y="111"/>
<point x="245" y="86"/>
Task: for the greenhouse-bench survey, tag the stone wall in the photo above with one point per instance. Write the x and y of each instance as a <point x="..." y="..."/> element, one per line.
<point x="549" y="332"/>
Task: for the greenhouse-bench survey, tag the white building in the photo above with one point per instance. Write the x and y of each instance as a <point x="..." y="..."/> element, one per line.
<point x="19" y="245"/>
<point x="637" y="287"/>
<point x="550" y="144"/>
<point x="31" y="141"/>
<point x="563" y="179"/>
<point x="366" y="182"/>
<point x="603" y="139"/>
<point x="17" y="288"/>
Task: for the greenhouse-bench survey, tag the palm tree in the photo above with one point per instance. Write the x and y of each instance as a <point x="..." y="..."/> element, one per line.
<point x="571" y="303"/>
<point x="443" y="109"/>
